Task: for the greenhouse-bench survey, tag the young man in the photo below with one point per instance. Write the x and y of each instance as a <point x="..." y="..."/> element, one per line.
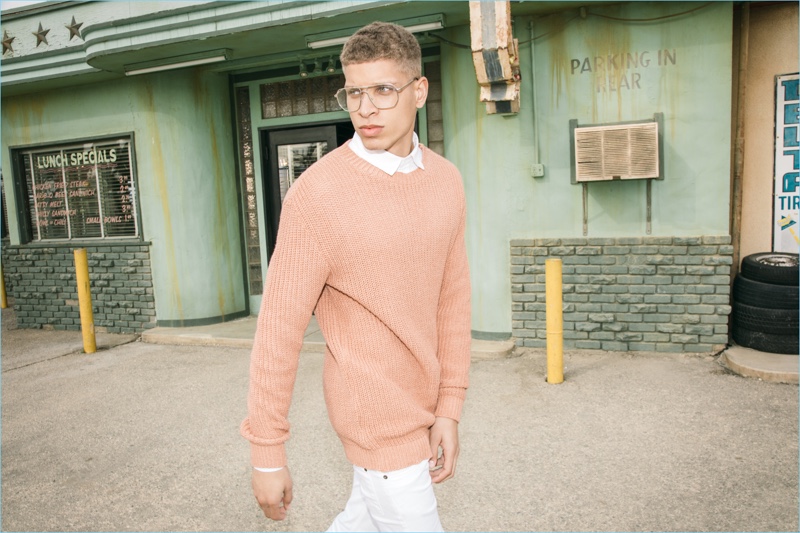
<point x="372" y="239"/>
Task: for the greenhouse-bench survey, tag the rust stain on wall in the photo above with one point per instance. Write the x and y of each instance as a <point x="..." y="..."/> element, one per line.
<point x="220" y="228"/>
<point x="222" y="271"/>
<point x="623" y="69"/>
<point x="559" y="55"/>
<point x="160" y="180"/>
<point x="24" y="113"/>
<point x="609" y="40"/>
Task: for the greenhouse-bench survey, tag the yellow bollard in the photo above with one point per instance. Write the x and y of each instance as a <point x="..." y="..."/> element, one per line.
<point x="85" y="300"/>
<point x="555" y="321"/>
<point x="3" y="297"/>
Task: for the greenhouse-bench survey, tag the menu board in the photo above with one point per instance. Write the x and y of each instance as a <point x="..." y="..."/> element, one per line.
<point x="82" y="192"/>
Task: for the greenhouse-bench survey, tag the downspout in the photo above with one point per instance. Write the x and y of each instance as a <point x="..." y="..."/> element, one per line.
<point x="738" y="151"/>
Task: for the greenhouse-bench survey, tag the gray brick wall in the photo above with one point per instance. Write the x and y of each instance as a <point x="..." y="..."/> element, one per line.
<point x="660" y="294"/>
<point x="41" y="281"/>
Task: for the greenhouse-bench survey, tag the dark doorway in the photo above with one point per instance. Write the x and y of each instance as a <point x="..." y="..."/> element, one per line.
<point x="286" y="154"/>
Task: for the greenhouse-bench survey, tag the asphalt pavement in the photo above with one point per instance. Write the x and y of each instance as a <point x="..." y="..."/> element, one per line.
<point x="145" y="437"/>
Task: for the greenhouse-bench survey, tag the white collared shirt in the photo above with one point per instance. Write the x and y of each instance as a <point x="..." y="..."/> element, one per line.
<point x="387" y="161"/>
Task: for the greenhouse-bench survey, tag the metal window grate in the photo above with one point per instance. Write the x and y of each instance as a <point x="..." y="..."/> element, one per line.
<point x="252" y="241"/>
<point x="627" y="151"/>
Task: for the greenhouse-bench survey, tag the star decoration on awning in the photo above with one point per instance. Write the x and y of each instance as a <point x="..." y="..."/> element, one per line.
<point x="74" y="29"/>
<point x="7" y="42"/>
<point x="41" y="35"/>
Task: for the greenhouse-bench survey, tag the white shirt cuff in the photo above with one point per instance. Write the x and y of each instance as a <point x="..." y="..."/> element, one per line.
<point x="267" y="469"/>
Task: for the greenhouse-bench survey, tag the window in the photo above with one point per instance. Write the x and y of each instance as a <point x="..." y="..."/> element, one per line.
<point x="249" y="187"/>
<point x="300" y="97"/>
<point x="4" y="231"/>
<point x="80" y="191"/>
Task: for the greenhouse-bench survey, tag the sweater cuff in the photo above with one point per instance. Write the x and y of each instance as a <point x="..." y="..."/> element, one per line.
<point x="450" y="407"/>
<point x="268" y="456"/>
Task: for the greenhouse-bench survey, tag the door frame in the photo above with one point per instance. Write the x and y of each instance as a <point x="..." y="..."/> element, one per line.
<point x="334" y="132"/>
<point x="270" y="140"/>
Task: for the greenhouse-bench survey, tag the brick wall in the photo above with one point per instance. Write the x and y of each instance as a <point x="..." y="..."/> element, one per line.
<point x="41" y="281"/>
<point x="665" y="294"/>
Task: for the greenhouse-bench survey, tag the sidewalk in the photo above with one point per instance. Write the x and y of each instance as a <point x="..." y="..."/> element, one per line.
<point x="145" y="437"/>
<point x="240" y="333"/>
<point x="777" y="368"/>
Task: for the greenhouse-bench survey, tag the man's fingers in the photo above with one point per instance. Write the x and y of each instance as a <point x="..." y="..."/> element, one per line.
<point x="287" y="497"/>
<point x="274" y="512"/>
<point x="273" y="492"/>
<point x="447" y="468"/>
<point x="279" y="510"/>
<point x="444" y="435"/>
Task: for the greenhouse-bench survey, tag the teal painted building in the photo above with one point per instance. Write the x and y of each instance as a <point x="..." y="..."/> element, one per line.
<point x="221" y="104"/>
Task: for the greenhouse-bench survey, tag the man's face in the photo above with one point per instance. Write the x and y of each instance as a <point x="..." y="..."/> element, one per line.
<point x="386" y="129"/>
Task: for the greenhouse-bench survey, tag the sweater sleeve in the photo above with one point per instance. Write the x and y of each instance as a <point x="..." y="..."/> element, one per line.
<point x="454" y="328"/>
<point x="295" y="278"/>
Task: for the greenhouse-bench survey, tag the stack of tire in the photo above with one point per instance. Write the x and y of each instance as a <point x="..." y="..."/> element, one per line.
<point x="765" y="303"/>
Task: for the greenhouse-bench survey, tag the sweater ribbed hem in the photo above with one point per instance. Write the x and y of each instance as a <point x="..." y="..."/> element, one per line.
<point x="386" y="459"/>
<point x="450" y="407"/>
<point x="268" y="456"/>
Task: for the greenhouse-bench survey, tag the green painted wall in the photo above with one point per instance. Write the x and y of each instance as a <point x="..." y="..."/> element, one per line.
<point x="691" y="85"/>
<point x="185" y="169"/>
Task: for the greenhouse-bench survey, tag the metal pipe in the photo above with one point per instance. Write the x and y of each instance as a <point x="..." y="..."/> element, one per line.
<point x="738" y="153"/>
<point x="585" y="208"/>
<point x="533" y="94"/>
<point x="555" y="321"/>
<point x="85" y="300"/>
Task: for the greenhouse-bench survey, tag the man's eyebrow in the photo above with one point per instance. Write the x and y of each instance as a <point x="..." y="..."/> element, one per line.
<point x="371" y="85"/>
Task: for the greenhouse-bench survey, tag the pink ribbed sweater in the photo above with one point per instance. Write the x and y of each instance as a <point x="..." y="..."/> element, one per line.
<point x="382" y="259"/>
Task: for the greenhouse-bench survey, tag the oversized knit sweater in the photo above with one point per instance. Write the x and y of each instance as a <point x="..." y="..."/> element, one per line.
<point x="382" y="261"/>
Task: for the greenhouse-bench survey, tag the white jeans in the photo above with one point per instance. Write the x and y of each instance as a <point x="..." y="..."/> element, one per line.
<point x="402" y="500"/>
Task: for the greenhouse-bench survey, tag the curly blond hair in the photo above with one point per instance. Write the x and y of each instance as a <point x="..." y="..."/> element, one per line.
<point x="384" y="40"/>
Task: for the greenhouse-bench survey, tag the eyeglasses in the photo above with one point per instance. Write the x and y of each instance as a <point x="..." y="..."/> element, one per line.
<point x="382" y="96"/>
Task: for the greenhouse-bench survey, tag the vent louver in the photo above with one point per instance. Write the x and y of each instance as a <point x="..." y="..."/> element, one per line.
<point x="627" y="151"/>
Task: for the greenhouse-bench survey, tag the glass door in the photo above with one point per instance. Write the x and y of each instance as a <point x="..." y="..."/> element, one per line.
<point x="287" y="153"/>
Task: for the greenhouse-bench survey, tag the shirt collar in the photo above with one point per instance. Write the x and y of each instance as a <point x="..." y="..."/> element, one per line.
<point x="386" y="161"/>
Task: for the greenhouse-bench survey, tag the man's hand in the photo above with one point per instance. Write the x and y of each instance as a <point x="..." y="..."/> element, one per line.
<point x="444" y="435"/>
<point x="273" y="491"/>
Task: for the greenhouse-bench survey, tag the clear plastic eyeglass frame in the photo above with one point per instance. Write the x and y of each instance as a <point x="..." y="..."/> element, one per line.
<point x="382" y="96"/>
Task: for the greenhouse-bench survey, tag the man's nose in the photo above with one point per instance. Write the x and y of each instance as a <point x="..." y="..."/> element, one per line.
<point x="366" y="108"/>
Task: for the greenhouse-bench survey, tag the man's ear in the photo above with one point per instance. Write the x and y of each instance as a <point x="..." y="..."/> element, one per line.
<point x="421" y="91"/>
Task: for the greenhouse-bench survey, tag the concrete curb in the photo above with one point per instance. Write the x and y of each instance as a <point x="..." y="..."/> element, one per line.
<point x="483" y="350"/>
<point x="777" y="368"/>
<point x="160" y="336"/>
<point x="221" y="336"/>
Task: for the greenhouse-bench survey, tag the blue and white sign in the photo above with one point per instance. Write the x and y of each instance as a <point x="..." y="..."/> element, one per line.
<point x="786" y="229"/>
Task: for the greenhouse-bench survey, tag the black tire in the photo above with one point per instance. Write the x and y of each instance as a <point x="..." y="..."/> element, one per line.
<point x="767" y="342"/>
<point x="778" y="268"/>
<point x="775" y="321"/>
<point x="767" y="295"/>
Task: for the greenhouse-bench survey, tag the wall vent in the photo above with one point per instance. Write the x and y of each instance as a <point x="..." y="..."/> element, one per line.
<point x="616" y="152"/>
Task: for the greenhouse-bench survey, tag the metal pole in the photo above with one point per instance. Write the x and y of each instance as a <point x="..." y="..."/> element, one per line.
<point x="555" y="321"/>
<point x="739" y="138"/>
<point x="85" y="301"/>
<point x="3" y="298"/>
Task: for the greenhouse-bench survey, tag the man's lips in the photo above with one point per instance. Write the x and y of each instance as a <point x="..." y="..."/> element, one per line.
<point x="370" y="130"/>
